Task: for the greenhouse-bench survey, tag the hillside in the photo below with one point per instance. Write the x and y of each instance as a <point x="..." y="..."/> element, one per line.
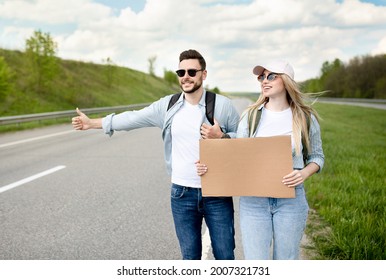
<point x="77" y="84"/>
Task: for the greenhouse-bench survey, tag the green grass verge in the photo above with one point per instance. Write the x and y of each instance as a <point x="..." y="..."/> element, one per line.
<point x="77" y="84"/>
<point x="349" y="195"/>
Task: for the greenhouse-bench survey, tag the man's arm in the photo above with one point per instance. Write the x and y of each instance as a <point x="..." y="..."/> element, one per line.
<point x="230" y="120"/>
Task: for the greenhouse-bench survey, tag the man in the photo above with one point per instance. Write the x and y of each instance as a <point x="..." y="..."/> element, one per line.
<point x="182" y="127"/>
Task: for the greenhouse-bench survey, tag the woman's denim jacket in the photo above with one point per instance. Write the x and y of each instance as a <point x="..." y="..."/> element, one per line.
<point x="157" y="115"/>
<point x="314" y="155"/>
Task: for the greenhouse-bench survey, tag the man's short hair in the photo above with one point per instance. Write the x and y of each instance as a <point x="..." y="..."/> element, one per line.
<point x="193" y="54"/>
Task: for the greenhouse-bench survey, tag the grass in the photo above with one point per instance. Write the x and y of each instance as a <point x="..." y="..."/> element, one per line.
<point x="78" y="84"/>
<point x="349" y="195"/>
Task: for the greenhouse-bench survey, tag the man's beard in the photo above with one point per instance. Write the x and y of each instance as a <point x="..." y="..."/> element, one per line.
<point x="195" y="87"/>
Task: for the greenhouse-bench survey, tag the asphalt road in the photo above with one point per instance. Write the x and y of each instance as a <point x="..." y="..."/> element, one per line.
<point x="75" y="195"/>
<point x="365" y="103"/>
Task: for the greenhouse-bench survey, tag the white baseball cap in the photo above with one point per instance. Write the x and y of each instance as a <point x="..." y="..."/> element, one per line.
<point x="277" y="66"/>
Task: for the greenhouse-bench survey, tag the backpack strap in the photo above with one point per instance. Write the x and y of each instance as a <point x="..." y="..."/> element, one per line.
<point x="254" y="116"/>
<point x="210" y="100"/>
<point x="305" y="150"/>
<point x="173" y="100"/>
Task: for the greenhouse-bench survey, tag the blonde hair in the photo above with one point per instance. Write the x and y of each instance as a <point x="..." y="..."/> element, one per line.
<point x="301" y="110"/>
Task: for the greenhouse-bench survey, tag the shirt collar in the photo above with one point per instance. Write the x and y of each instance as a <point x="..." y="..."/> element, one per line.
<point x="202" y="100"/>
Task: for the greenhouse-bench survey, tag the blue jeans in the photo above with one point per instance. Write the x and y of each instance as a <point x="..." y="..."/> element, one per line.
<point x="281" y="220"/>
<point x="189" y="208"/>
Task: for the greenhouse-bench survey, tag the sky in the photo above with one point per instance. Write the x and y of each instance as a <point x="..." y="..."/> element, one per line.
<point x="232" y="35"/>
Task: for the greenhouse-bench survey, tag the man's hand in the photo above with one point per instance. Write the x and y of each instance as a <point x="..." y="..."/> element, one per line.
<point x="211" y="131"/>
<point x="81" y="122"/>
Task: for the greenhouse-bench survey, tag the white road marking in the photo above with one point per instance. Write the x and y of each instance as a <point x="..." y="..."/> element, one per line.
<point x="206" y="245"/>
<point x="31" y="178"/>
<point x="36" y="138"/>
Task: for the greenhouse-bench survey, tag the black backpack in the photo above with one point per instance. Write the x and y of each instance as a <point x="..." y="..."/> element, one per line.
<point x="210" y="100"/>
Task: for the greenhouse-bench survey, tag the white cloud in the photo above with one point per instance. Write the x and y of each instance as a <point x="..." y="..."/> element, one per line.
<point x="13" y="37"/>
<point x="380" y="48"/>
<point x="355" y="13"/>
<point x="53" y="12"/>
<point x="232" y="37"/>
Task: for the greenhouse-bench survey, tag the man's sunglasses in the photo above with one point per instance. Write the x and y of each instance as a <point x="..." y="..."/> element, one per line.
<point x="191" y="72"/>
<point x="270" y="77"/>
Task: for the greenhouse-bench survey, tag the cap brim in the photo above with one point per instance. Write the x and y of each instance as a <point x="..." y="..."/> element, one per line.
<point x="258" y="70"/>
<point x="279" y="67"/>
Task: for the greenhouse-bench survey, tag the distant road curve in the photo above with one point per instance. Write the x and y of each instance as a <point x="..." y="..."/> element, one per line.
<point x="371" y="103"/>
<point x="362" y="102"/>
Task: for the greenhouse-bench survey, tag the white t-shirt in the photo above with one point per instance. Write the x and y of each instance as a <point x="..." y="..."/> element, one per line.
<point x="275" y="123"/>
<point x="185" y="145"/>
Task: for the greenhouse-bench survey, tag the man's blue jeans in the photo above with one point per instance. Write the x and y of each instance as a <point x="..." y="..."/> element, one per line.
<point x="189" y="208"/>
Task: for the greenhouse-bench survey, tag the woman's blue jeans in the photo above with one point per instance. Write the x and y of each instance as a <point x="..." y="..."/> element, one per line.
<point x="281" y="220"/>
<point x="189" y="209"/>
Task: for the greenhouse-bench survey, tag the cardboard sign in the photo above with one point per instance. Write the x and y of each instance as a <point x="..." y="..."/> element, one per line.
<point x="247" y="166"/>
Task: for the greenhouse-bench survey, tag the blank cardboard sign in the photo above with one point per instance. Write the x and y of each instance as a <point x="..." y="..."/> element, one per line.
<point x="247" y="166"/>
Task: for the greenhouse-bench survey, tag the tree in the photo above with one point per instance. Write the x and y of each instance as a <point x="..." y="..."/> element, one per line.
<point x="170" y="77"/>
<point x="5" y="77"/>
<point x="331" y="79"/>
<point x="380" y="88"/>
<point x="362" y="77"/>
<point x="110" y="71"/>
<point x="41" y="51"/>
<point x="151" y="61"/>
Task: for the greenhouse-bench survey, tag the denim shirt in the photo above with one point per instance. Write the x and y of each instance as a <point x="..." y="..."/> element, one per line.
<point x="157" y="115"/>
<point x="314" y="155"/>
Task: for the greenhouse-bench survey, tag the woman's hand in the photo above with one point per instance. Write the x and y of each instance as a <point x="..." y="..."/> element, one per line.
<point x="297" y="177"/>
<point x="201" y="168"/>
<point x="293" y="179"/>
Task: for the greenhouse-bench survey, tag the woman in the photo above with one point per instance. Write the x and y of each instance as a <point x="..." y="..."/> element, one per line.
<point x="279" y="221"/>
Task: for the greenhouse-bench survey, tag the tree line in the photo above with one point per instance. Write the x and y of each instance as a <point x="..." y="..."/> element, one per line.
<point x="361" y="77"/>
